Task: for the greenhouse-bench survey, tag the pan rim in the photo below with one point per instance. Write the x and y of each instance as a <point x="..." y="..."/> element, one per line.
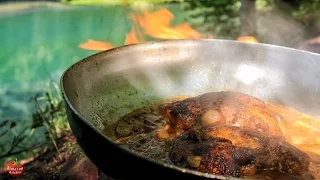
<point x="100" y="53"/>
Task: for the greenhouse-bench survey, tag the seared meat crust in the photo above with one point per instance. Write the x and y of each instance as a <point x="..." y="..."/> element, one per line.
<point x="233" y="151"/>
<point x="230" y="108"/>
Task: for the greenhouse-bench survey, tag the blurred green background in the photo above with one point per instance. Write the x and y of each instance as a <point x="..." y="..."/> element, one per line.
<point x="40" y="43"/>
<point x="39" y="40"/>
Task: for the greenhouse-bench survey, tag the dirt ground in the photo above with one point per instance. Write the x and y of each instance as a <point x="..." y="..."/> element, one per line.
<point x="72" y="164"/>
<point x="48" y="164"/>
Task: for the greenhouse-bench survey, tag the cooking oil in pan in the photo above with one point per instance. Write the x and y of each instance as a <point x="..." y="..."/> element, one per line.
<point x="137" y="132"/>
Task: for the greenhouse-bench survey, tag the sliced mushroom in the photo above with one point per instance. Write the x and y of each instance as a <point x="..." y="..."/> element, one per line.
<point x="124" y="129"/>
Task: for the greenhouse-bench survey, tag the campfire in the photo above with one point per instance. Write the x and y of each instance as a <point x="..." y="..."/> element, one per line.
<point x="156" y="25"/>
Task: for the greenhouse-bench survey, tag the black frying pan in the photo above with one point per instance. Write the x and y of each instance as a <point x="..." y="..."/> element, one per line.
<point x="104" y="87"/>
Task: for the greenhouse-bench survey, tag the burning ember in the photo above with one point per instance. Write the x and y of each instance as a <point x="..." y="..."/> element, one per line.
<point x="156" y="25"/>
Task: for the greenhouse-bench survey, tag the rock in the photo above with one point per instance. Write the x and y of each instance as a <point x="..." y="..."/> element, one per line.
<point x="312" y="45"/>
<point x="79" y="167"/>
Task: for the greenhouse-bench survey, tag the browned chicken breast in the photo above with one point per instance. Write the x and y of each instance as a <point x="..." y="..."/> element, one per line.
<point x="230" y="108"/>
<point x="233" y="151"/>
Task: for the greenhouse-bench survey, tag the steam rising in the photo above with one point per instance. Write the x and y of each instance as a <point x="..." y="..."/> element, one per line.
<point x="269" y="73"/>
<point x="249" y="74"/>
<point x="190" y="68"/>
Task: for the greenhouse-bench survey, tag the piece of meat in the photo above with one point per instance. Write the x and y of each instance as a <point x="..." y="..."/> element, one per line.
<point x="215" y="155"/>
<point x="234" y="151"/>
<point x="216" y="108"/>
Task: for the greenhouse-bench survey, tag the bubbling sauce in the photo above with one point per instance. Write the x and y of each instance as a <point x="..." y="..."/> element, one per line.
<point x="139" y="131"/>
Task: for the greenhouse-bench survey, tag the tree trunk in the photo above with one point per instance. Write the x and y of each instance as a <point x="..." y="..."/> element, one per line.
<point x="248" y="18"/>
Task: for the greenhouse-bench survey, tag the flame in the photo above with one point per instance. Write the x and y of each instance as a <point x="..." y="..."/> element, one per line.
<point x="96" y="45"/>
<point x="131" y="38"/>
<point x="154" y="24"/>
<point x="249" y="39"/>
<point x="157" y="25"/>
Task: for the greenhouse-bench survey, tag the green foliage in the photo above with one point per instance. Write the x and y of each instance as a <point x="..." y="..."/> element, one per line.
<point x="307" y="11"/>
<point x="221" y="18"/>
<point x="218" y="17"/>
<point x="116" y="2"/>
<point x="49" y="120"/>
<point x="264" y="5"/>
<point x="52" y="115"/>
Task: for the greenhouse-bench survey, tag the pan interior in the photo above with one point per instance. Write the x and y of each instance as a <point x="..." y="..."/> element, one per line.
<point x="106" y="86"/>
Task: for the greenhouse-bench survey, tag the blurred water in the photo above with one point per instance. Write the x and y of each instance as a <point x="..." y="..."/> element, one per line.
<point x="42" y="42"/>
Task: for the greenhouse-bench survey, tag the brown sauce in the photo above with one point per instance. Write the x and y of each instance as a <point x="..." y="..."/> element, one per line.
<point x="142" y="139"/>
<point x="137" y="131"/>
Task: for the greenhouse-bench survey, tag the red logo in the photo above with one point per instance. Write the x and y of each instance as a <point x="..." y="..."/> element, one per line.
<point x="14" y="168"/>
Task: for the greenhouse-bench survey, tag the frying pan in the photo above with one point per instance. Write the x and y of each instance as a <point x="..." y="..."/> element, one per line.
<point x="102" y="88"/>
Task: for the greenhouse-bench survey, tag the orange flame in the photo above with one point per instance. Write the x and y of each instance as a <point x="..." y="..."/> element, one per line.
<point x="96" y="45"/>
<point x="131" y="38"/>
<point x="156" y="25"/>
<point x="249" y="39"/>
